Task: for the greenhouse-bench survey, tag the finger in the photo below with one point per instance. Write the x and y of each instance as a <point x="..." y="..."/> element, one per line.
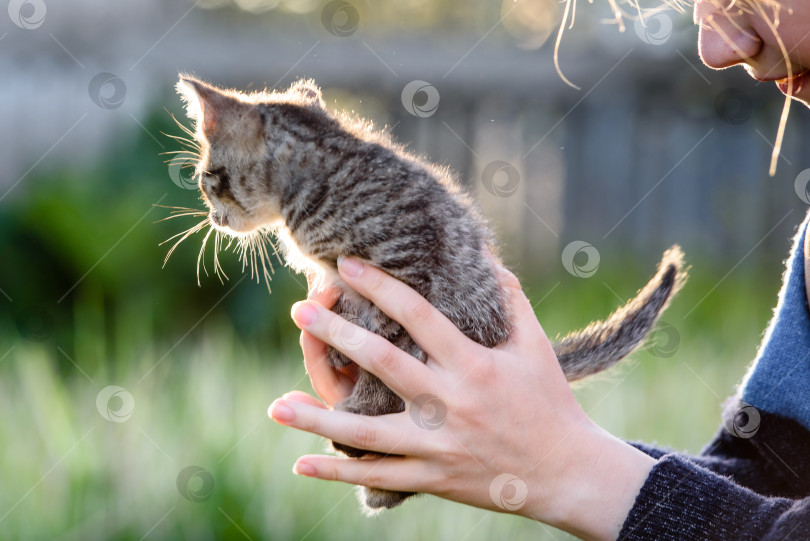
<point x="392" y="434"/>
<point x="405" y="375"/>
<point x="520" y="307"/>
<point x="405" y="474"/>
<point x="519" y="304"/>
<point x="427" y="326"/>
<point x="526" y="333"/>
<point x="327" y="383"/>
<point x="304" y="398"/>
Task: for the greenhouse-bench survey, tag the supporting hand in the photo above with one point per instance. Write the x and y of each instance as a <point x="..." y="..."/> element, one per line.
<point x="494" y="428"/>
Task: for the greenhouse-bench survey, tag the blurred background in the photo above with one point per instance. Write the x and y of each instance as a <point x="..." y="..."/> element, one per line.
<point x="134" y="401"/>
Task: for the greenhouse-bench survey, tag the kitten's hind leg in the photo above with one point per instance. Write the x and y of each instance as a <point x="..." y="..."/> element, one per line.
<point x="375" y="500"/>
<point x="371" y="397"/>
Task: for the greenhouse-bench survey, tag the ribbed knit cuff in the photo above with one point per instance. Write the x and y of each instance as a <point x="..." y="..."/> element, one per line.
<point x="681" y="500"/>
<point x="650" y="449"/>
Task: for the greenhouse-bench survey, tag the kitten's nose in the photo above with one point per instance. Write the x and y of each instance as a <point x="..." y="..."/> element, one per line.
<point x="207" y="185"/>
<point x="726" y="36"/>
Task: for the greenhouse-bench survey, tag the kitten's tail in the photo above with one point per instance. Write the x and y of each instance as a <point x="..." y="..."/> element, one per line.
<point x="604" y="343"/>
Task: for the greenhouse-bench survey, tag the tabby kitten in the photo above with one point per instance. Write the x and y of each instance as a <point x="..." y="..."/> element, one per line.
<point x="328" y="186"/>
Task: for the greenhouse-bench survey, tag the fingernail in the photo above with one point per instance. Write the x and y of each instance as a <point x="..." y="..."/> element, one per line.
<point x="281" y="412"/>
<point x="303" y="468"/>
<point x="303" y="314"/>
<point x="350" y="267"/>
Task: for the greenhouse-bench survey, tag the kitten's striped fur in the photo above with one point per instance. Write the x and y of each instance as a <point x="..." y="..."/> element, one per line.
<point x="332" y="186"/>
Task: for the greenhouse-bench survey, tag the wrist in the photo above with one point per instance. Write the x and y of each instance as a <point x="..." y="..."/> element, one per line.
<point x="595" y="486"/>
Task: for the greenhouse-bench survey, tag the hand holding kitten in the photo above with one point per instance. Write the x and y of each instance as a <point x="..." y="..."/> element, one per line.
<point x="506" y="410"/>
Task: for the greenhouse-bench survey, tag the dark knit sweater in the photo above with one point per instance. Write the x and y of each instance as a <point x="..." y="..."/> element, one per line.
<point x="752" y="482"/>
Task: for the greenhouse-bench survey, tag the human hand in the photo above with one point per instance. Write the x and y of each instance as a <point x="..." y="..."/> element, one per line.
<point x="329" y="383"/>
<point x="494" y="428"/>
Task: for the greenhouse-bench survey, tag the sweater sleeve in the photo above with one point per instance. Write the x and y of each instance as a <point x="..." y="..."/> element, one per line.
<point x="682" y="500"/>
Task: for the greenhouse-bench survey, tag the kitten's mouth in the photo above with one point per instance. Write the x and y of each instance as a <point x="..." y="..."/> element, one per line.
<point x="233" y="223"/>
<point x="219" y="219"/>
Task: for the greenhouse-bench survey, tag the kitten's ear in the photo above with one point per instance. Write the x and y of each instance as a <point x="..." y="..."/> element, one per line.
<point x="308" y="92"/>
<point x="202" y="103"/>
<point x="214" y="110"/>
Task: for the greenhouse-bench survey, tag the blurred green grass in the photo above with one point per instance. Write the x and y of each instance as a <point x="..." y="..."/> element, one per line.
<point x="202" y="365"/>
<point x="71" y="474"/>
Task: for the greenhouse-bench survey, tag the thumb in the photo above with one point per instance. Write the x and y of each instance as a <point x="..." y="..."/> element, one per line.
<point x="527" y="333"/>
<point x="519" y="307"/>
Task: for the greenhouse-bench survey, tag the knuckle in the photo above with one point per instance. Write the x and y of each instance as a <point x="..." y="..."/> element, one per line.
<point x="387" y="359"/>
<point x="444" y="446"/>
<point x="372" y="480"/>
<point x="330" y="473"/>
<point x="364" y="437"/>
<point x="478" y="359"/>
<point x="451" y="478"/>
<point x="473" y="353"/>
<point x="375" y="281"/>
<point x="486" y="374"/>
<point x="419" y="312"/>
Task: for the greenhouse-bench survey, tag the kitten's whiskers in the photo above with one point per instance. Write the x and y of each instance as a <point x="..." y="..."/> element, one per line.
<point x="175" y="208"/>
<point x="201" y="258"/>
<point x="185" y="234"/>
<point x="218" y="270"/>
<point x="182" y="214"/>
<point x="181" y="125"/>
<point x="190" y="152"/>
<point x="253" y="254"/>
